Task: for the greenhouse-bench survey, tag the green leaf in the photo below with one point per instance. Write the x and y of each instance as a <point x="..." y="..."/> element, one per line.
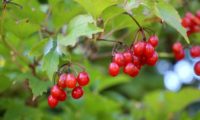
<point x="104" y="104"/>
<point x="5" y="83"/>
<point x="111" y="12"/>
<point x="171" y="101"/>
<point x="110" y="81"/>
<point x="37" y="86"/>
<point x="169" y="14"/>
<point x="33" y="15"/>
<point x="69" y="7"/>
<point x="21" y="28"/>
<point x="50" y="63"/>
<point x="122" y="21"/>
<point x="82" y="25"/>
<point x="17" y="110"/>
<point x="95" y="8"/>
<point x="38" y="49"/>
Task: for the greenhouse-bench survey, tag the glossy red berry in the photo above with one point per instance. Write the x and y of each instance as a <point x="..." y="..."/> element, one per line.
<point x="152" y="60"/>
<point x="197" y="68"/>
<point x="70" y="81"/>
<point x="62" y="80"/>
<point x="83" y="79"/>
<point x="136" y="61"/>
<point x="113" y="69"/>
<point x="56" y="91"/>
<point x="119" y="59"/>
<point x="149" y="50"/>
<point x="195" y="51"/>
<point x="153" y="40"/>
<point x="186" y="22"/>
<point x="127" y="57"/>
<point x="180" y="55"/>
<point x="131" y="70"/>
<point x="53" y="102"/>
<point x="62" y="96"/>
<point x="177" y="47"/>
<point x="77" y="92"/>
<point x="139" y="48"/>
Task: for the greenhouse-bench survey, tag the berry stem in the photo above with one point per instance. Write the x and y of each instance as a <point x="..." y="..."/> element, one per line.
<point x="110" y="41"/>
<point x="165" y="55"/>
<point x="68" y="64"/>
<point x="5" y="2"/>
<point x="54" y="77"/>
<point x="140" y="27"/>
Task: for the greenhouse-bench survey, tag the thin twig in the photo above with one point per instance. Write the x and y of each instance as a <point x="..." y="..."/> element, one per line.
<point x="137" y="23"/>
<point x="113" y="41"/>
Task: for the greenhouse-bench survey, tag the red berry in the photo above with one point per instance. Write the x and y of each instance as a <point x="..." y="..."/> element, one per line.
<point x="136" y="61"/>
<point x="177" y="47"/>
<point x="56" y="91"/>
<point x="180" y="55"/>
<point x="152" y="60"/>
<point x="149" y="50"/>
<point x="186" y="22"/>
<point x="143" y="60"/>
<point x="119" y="59"/>
<point x="127" y="57"/>
<point x="195" y="28"/>
<point x="189" y="32"/>
<point x="77" y="92"/>
<point x="139" y="48"/>
<point x="62" y="96"/>
<point x="195" y="20"/>
<point x="197" y="68"/>
<point x="61" y="81"/>
<point x="195" y="51"/>
<point x="153" y="40"/>
<point x="83" y="79"/>
<point x="131" y="70"/>
<point x="113" y="69"/>
<point x="52" y="101"/>
<point x="70" y="81"/>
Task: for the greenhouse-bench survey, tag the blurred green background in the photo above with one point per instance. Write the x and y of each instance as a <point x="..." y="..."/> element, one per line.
<point x="44" y="34"/>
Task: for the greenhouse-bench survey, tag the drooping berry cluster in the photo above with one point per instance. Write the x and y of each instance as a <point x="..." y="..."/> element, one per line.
<point x="68" y="80"/>
<point x="179" y="54"/>
<point x="191" y="22"/>
<point x="131" y="60"/>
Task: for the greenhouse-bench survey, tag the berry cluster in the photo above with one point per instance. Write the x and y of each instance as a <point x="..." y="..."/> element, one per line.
<point x="191" y="22"/>
<point x="68" y="80"/>
<point x="179" y="54"/>
<point x="134" y="58"/>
